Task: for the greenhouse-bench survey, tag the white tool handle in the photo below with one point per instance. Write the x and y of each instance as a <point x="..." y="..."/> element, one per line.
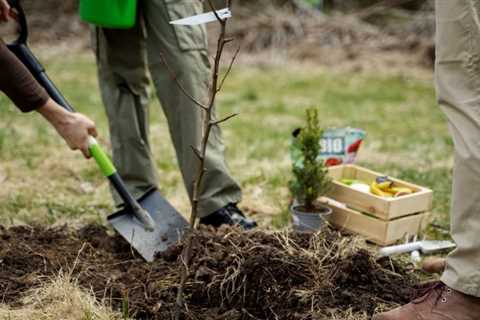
<point x="416" y="257"/>
<point x="204" y="18"/>
<point x="402" y="248"/>
<point x="92" y="141"/>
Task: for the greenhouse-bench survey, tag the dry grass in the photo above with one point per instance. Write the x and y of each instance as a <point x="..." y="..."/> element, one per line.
<point x="59" y="298"/>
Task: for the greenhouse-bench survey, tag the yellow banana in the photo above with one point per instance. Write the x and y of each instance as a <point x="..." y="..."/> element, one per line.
<point x="398" y="192"/>
<point x="402" y="189"/>
<point x="385" y="186"/>
<point x="377" y="191"/>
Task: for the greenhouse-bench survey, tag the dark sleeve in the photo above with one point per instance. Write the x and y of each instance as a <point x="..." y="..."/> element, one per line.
<point x="18" y="83"/>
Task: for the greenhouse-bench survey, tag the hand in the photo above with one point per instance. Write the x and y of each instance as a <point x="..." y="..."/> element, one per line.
<point x="75" y="128"/>
<point x="4" y="11"/>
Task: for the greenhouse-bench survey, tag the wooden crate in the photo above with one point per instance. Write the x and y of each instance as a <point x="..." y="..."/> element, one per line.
<point x="378" y="231"/>
<point x="380" y="207"/>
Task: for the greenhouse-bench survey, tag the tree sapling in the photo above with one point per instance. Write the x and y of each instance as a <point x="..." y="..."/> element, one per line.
<point x="310" y="175"/>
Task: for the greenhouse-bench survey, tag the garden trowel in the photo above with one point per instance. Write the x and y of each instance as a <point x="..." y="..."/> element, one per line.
<point x="150" y="224"/>
<point x="425" y="247"/>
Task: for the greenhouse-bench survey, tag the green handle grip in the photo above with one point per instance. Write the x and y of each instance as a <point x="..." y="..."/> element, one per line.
<point x="102" y="159"/>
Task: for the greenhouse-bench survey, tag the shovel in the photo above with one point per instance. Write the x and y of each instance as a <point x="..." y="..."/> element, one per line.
<point x="150" y="224"/>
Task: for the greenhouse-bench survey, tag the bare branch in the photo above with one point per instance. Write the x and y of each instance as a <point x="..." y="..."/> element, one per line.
<point x="174" y="77"/>
<point x="212" y="6"/>
<point x="227" y="73"/>
<point x="217" y="122"/>
<point x="197" y="153"/>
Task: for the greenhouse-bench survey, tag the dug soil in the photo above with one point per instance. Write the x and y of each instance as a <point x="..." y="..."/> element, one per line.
<point x="234" y="275"/>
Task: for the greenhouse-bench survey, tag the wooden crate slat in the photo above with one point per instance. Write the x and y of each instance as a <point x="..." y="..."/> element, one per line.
<point x="359" y="200"/>
<point x="352" y="221"/>
<point x="378" y="231"/>
<point x="411" y="225"/>
<point x="421" y="200"/>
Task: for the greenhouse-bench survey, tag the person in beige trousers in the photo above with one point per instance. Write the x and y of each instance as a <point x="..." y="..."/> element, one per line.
<point x="457" y="295"/>
<point x="127" y="60"/>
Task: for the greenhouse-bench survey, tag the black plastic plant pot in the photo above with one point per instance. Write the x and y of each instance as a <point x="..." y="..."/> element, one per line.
<point x="313" y="221"/>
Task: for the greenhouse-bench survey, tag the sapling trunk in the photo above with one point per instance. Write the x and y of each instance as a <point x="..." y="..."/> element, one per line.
<point x="208" y="124"/>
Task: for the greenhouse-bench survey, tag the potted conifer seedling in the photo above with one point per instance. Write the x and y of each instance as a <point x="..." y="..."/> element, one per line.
<point x="310" y="177"/>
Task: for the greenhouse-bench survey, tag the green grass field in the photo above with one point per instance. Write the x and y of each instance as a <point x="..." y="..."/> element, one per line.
<point x="43" y="182"/>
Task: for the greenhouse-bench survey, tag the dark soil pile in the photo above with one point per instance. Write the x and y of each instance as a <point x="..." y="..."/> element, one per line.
<point x="234" y="275"/>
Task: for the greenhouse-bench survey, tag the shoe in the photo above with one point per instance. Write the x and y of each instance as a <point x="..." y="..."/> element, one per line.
<point x="438" y="303"/>
<point x="229" y="215"/>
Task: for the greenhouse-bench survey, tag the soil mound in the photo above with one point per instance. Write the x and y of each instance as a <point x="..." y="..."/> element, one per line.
<point x="235" y="275"/>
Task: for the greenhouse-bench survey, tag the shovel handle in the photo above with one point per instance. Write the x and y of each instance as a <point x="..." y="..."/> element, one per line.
<point x="19" y="15"/>
<point x="25" y="55"/>
<point x="102" y="159"/>
<point x="108" y="169"/>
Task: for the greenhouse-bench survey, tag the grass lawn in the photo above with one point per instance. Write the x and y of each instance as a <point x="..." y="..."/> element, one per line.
<point x="43" y="182"/>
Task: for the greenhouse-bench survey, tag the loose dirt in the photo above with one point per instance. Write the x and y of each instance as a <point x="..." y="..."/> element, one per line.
<point x="235" y="275"/>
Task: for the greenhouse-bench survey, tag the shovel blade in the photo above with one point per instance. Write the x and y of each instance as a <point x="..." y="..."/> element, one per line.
<point x="169" y="226"/>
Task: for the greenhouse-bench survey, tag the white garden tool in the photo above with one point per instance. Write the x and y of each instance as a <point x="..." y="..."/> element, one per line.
<point x="424" y="247"/>
<point x="204" y="18"/>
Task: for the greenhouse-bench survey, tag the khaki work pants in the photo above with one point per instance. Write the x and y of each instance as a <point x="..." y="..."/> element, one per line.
<point x="458" y="88"/>
<point x="126" y="60"/>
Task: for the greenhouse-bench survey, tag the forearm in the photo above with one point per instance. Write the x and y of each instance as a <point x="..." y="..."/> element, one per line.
<point x="18" y="83"/>
<point x="55" y="114"/>
<point x="75" y="128"/>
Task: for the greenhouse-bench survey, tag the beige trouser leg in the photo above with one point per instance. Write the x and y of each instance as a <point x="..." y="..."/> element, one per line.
<point x="458" y="87"/>
<point x="123" y="59"/>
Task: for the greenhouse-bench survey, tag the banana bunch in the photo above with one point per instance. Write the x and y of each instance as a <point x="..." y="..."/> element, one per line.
<point x="384" y="187"/>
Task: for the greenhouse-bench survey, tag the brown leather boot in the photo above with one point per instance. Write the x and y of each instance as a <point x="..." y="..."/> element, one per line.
<point x="439" y="303"/>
